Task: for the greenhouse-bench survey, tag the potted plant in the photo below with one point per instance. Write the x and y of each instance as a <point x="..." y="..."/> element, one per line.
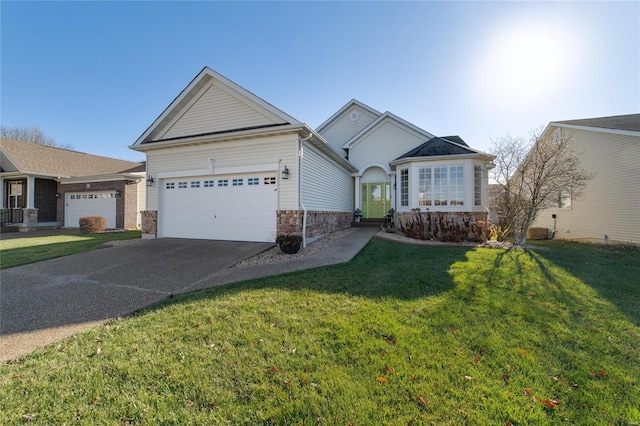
<point x="289" y="244"/>
<point x="357" y="215"/>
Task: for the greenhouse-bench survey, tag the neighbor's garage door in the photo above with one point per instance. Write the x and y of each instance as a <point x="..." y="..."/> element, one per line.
<point x="81" y="204"/>
<point x="234" y="207"/>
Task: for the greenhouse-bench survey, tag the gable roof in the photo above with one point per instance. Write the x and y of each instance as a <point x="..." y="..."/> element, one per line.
<point x="208" y="79"/>
<point x="352" y="103"/>
<point x="36" y="159"/>
<point x="626" y="124"/>
<point x="387" y="116"/>
<point x="439" y="147"/>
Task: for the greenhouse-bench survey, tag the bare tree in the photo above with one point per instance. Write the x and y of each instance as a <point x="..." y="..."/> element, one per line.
<point x="31" y="134"/>
<point x="531" y="175"/>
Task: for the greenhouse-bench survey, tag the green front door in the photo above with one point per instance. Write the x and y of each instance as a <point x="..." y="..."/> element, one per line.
<point x="376" y="200"/>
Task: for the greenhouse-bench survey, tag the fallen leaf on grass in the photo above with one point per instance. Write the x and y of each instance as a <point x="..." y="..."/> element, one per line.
<point x="272" y="370"/>
<point x="528" y="392"/>
<point x="468" y="378"/>
<point x="532" y="293"/>
<point x="415" y="377"/>
<point x="389" y="370"/>
<point x="551" y="403"/>
<point x="381" y="380"/>
<point x="422" y="400"/>
<point x="522" y="351"/>
<point x="96" y="400"/>
<point x="505" y="377"/>
<point x="28" y="417"/>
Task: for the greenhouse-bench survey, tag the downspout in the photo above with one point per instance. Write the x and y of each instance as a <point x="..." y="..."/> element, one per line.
<point x="304" y="209"/>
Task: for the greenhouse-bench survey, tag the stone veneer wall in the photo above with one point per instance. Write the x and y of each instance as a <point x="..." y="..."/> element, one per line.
<point x="456" y="217"/>
<point x="318" y="222"/>
<point x="149" y="220"/>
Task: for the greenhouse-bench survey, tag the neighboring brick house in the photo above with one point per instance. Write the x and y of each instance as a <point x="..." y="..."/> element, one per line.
<point x="42" y="186"/>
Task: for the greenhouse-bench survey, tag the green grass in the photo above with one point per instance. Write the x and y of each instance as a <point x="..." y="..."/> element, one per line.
<point x="401" y="335"/>
<point x="22" y="251"/>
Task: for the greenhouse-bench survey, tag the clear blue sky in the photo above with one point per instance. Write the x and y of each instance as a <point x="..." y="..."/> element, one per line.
<point x="96" y="74"/>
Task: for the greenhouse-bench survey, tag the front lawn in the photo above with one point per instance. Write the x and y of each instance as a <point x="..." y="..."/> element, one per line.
<point x="402" y="335"/>
<point x="22" y="251"/>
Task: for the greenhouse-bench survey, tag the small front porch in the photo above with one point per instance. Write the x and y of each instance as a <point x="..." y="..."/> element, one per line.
<point x="28" y="204"/>
<point x="374" y="192"/>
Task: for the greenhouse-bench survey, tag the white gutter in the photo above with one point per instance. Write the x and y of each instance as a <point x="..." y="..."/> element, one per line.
<point x="304" y="209"/>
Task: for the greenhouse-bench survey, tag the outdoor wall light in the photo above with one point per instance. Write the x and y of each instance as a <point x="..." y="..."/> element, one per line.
<point x="285" y="172"/>
<point x="118" y="193"/>
<point x="149" y="180"/>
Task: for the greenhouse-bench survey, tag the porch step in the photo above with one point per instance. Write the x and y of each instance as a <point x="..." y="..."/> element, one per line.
<point x="368" y="223"/>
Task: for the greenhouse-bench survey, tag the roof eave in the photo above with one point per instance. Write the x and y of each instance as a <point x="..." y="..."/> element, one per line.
<point x="479" y="155"/>
<point x="593" y="129"/>
<point x="233" y="135"/>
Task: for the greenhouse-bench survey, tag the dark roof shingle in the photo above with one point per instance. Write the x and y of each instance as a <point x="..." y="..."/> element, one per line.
<point x="439" y="146"/>
<point x="629" y="122"/>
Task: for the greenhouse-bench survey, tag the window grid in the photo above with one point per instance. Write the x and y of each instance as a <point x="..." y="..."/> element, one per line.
<point x="456" y="186"/>
<point x="182" y="185"/>
<point x="440" y="184"/>
<point x="253" y="181"/>
<point x="564" y="198"/>
<point x="195" y="184"/>
<point x="238" y="182"/>
<point x="404" y="187"/>
<point x="209" y="183"/>
<point x="223" y="182"/>
<point x="477" y="186"/>
<point x="425" y="193"/>
<point x="270" y="180"/>
<point x="171" y="185"/>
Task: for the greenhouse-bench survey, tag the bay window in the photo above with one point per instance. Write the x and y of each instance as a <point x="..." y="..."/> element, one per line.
<point x="441" y="186"/>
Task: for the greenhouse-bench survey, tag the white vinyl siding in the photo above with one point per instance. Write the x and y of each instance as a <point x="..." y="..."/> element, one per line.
<point x="344" y="128"/>
<point x="255" y="154"/>
<point x="611" y="202"/>
<point x="216" y="110"/>
<point x="325" y="185"/>
<point x="384" y="144"/>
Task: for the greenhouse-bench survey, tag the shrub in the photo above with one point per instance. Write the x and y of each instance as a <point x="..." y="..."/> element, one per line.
<point x="92" y="224"/>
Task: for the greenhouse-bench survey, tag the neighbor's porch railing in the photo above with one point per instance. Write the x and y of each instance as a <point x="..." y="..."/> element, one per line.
<point x="8" y="216"/>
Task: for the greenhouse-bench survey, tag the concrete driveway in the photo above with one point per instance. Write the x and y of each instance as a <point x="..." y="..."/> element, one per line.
<point x="91" y="287"/>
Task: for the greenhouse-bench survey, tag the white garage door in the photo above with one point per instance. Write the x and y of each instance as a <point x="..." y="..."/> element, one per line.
<point x="234" y="207"/>
<point x="82" y="204"/>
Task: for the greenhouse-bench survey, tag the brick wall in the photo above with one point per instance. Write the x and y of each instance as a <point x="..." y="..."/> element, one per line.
<point x="126" y="204"/>
<point x="318" y="222"/>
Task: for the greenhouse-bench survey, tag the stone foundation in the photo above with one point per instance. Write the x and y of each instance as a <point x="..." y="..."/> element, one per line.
<point x="318" y="222"/>
<point x="456" y="217"/>
<point x="149" y="220"/>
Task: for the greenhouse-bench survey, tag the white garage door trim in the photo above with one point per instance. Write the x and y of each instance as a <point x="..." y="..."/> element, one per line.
<point x="233" y="207"/>
<point x="95" y="203"/>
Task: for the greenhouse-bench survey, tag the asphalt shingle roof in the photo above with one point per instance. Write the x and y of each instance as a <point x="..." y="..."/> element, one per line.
<point x="439" y="146"/>
<point x="630" y="122"/>
<point x="46" y="160"/>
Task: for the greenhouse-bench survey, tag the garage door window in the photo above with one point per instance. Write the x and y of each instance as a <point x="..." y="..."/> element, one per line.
<point x="238" y="182"/>
<point x="171" y="185"/>
<point x="182" y="185"/>
<point x="195" y="184"/>
<point x="208" y="184"/>
<point x="270" y="180"/>
<point x="223" y="182"/>
<point x="253" y="181"/>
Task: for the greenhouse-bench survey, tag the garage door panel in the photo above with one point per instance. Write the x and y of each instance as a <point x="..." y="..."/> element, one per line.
<point x="83" y="204"/>
<point x="237" y="208"/>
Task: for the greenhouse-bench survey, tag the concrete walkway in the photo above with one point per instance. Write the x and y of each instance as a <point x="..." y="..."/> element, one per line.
<point x="60" y="297"/>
